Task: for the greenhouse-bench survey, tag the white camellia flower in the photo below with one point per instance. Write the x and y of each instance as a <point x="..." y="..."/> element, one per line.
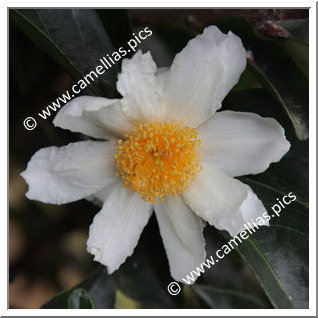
<point x="167" y="150"/>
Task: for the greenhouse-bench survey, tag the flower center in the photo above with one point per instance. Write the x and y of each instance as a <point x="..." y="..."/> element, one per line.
<point x="158" y="158"/>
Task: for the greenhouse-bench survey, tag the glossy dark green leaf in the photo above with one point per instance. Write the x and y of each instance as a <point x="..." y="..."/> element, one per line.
<point x="99" y="286"/>
<point x="229" y="279"/>
<point x="281" y="67"/>
<point x="80" y="299"/>
<point x="278" y="255"/>
<point x="221" y="298"/>
<point x="75" y="38"/>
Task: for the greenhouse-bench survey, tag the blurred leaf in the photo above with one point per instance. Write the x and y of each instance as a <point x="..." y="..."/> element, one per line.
<point x="220" y="298"/>
<point x="99" y="286"/>
<point x="247" y="81"/>
<point x="299" y="28"/>
<point x="117" y="24"/>
<point x="80" y="299"/>
<point x="137" y="279"/>
<point x="175" y="34"/>
<point x="75" y="38"/>
<point x="298" y="51"/>
<point x="124" y="302"/>
<point x="281" y="66"/>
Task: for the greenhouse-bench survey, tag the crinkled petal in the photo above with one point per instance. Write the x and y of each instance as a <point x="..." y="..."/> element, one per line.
<point x="97" y="117"/>
<point x="64" y="174"/>
<point x="142" y="97"/>
<point x="202" y="74"/>
<point x="116" y="229"/>
<point x="222" y="201"/>
<point x="182" y="234"/>
<point x="242" y="143"/>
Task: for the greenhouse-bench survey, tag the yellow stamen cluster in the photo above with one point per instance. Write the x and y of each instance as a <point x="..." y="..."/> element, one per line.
<point x="158" y="158"/>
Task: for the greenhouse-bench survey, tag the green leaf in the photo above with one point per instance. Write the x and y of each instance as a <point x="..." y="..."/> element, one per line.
<point x="281" y="67"/>
<point x="75" y="38"/>
<point x="298" y="51"/>
<point x="230" y="275"/>
<point x="221" y="298"/>
<point x="278" y="255"/>
<point x="99" y="287"/>
<point x="80" y="299"/>
<point x="247" y="81"/>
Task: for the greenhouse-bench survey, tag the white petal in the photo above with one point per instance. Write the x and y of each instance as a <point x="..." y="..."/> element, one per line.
<point x="223" y="201"/>
<point x="162" y="76"/>
<point x="202" y="74"/>
<point x="60" y="175"/>
<point x="249" y="211"/>
<point x="182" y="234"/>
<point x="142" y="98"/>
<point x="100" y="197"/>
<point x="97" y="117"/>
<point x="116" y="229"/>
<point x="242" y="143"/>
